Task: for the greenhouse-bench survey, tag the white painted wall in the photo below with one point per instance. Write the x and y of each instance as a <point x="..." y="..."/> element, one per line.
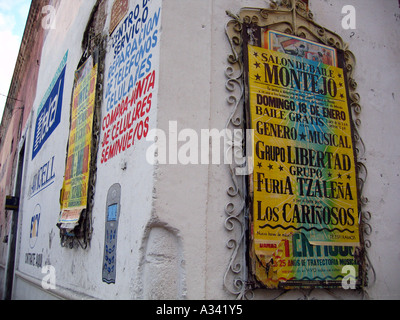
<point x="196" y="98"/>
<point x="172" y="238"/>
<point x="48" y="243"/>
<point x="81" y="270"/>
<point x="375" y="45"/>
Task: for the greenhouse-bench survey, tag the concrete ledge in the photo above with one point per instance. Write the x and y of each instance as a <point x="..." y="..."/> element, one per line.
<point x="59" y="293"/>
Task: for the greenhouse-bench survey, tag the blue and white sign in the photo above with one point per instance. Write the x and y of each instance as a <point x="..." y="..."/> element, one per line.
<point x="49" y="113"/>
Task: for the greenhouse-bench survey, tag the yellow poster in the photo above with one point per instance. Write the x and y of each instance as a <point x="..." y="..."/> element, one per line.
<point x="305" y="201"/>
<point x="76" y="178"/>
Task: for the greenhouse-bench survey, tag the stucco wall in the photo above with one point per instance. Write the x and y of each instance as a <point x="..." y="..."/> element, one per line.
<point x="374" y="45"/>
<point x="196" y="98"/>
<point x="80" y="270"/>
<point x="172" y="236"/>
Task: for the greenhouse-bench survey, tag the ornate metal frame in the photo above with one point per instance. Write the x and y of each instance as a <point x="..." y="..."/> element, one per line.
<point x="291" y="17"/>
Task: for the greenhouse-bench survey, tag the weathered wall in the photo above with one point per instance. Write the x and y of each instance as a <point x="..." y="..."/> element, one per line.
<point x="196" y="99"/>
<point x="377" y="76"/>
<point x="45" y="203"/>
<point x="80" y="270"/>
<point x="172" y="233"/>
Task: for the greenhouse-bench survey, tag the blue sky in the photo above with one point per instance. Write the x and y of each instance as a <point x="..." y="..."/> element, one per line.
<point x="13" y="14"/>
